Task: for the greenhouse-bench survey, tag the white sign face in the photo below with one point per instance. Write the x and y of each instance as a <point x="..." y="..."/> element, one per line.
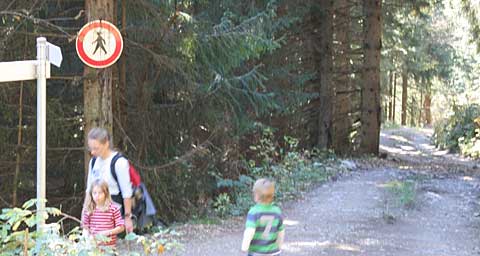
<point x="54" y="54"/>
<point x="99" y="44"/>
<point x="20" y="70"/>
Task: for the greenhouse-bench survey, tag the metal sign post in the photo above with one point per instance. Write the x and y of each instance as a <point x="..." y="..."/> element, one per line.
<point x="41" y="129"/>
<point x="37" y="69"/>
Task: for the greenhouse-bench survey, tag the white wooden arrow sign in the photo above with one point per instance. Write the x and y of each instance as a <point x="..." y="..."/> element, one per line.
<point x="27" y="69"/>
<point x="37" y="69"/>
<point x="20" y="70"/>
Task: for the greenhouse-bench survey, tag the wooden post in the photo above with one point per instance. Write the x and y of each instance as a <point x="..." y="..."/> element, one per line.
<point x="25" y="242"/>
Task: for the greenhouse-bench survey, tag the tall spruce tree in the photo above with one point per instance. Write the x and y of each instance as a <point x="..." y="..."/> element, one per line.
<point x="370" y="127"/>
<point x="342" y="122"/>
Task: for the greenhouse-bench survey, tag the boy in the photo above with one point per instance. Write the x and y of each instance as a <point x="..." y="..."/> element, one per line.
<point x="264" y="232"/>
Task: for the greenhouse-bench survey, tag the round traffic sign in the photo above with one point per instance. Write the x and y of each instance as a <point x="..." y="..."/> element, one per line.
<point x="99" y="44"/>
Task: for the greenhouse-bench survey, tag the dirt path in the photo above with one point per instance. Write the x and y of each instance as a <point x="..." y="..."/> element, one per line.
<point x="358" y="215"/>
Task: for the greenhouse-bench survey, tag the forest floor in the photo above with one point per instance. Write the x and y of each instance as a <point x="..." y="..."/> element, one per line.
<point x="358" y="214"/>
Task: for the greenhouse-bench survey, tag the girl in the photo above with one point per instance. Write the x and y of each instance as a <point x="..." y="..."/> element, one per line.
<point x="101" y="216"/>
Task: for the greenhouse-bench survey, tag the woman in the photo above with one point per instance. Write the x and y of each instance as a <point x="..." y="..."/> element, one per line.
<point x="101" y="148"/>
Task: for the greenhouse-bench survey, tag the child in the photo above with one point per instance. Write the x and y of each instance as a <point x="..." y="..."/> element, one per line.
<point x="101" y="216"/>
<point x="264" y="232"/>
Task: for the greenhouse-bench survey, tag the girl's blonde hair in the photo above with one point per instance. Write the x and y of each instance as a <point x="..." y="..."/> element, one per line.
<point x="264" y="189"/>
<point x="99" y="134"/>
<point x="90" y="203"/>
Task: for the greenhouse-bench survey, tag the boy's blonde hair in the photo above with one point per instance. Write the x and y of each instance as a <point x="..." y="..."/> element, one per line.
<point x="264" y="190"/>
<point x="103" y="185"/>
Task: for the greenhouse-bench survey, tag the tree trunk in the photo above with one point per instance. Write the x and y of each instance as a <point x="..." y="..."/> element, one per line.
<point x="18" y="150"/>
<point x="413" y="111"/>
<point x="119" y="94"/>
<point x="324" y="58"/>
<point x="390" y="96"/>
<point x="420" y="111"/>
<point x="404" y="95"/>
<point x="394" y="96"/>
<point x="97" y="86"/>
<point x="371" y="108"/>
<point x="384" y="115"/>
<point x="426" y="106"/>
<point x="342" y="123"/>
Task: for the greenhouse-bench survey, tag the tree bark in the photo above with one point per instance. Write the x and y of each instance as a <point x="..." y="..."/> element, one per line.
<point x="427" y="103"/>
<point x="420" y="107"/>
<point x="404" y="95"/>
<point x="371" y="106"/>
<point x="394" y="96"/>
<point x="413" y="111"/>
<point x="390" y="96"/>
<point x="18" y="150"/>
<point x="342" y="123"/>
<point x="119" y="93"/>
<point x="97" y="86"/>
<point x="324" y="58"/>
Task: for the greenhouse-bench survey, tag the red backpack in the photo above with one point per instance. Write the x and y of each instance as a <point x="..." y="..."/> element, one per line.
<point x="134" y="175"/>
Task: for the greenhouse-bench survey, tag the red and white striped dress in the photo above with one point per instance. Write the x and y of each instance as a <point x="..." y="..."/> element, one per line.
<point x="101" y="220"/>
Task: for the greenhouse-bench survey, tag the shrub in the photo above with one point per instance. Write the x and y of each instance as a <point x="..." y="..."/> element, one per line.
<point x="292" y="169"/>
<point x="460" y="132"/>
<point x="16" y="237"/>
<point x="222" y="205"/>
<point x="404" y="191"/>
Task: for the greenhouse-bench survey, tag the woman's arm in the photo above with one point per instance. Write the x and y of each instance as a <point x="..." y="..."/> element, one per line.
<point x="127" y="203"/>
<point x="125" y="186"/>
<point x="122" y="168"/>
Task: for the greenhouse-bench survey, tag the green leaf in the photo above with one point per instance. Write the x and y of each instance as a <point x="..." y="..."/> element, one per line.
<point x="29" y="203"/>
<point x="131" y="236"/>
<point x="16" y="225"/>
<point x="53" y="211"/>
<point x="30" y="221"/>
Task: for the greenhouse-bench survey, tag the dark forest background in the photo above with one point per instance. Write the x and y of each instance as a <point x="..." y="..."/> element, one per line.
<point x="209" y="91"/>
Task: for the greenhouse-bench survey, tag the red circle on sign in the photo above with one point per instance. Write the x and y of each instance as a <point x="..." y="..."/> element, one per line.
<point x="112" y="30"/>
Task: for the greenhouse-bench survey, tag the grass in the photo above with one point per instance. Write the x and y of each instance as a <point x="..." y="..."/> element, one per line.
<point x="205" y="221"/>
<point x="404" y="192"/>
<point x="388" y="125"/>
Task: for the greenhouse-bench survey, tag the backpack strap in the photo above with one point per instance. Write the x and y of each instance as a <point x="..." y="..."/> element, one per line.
<point x="93" y="162"/>
<point x="117" y="198"/>
<point x="112" y="169"/>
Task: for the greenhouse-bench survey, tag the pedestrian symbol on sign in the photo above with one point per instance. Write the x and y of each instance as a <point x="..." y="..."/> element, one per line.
<point x="100" y="43"/>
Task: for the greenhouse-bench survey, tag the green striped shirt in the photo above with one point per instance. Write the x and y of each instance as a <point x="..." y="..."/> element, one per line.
<point x="267" y="221"/>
